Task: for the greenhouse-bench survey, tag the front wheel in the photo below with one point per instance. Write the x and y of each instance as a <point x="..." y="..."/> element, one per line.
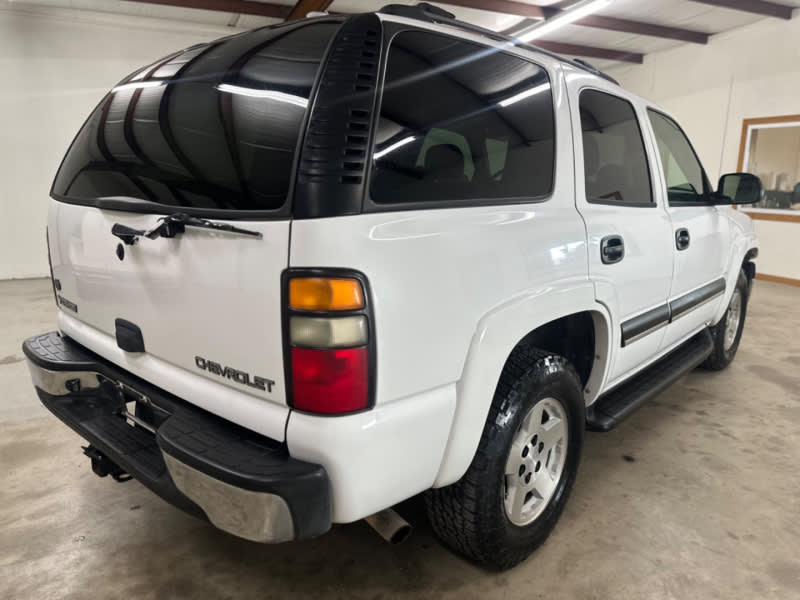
<point x="512" y="494"/>
<point x="728" y="332"/>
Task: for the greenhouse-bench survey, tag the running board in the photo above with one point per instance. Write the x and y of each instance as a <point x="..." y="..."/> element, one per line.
<point x="615" y="406"/>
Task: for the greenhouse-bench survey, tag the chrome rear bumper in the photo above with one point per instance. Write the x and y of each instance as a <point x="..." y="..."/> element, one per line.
<point x="242" y="482"/>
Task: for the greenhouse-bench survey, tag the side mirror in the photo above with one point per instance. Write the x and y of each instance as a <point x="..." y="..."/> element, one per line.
<point x="739" y="188"/>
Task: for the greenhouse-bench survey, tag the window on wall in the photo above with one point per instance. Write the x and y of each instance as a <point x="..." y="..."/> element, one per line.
<point x="770" y="149"/>
<point x="615" y="164"/>
<point x="461" y="122"/>
<point x="683" y="173"/>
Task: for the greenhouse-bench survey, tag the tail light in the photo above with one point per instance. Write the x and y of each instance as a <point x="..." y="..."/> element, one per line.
<point x="330" y="345"/>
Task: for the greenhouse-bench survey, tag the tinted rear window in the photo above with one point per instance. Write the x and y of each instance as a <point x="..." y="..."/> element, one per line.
<point x="213" y="127"/>
<point x="614" y="158"/>
<point x="460" y="121"/>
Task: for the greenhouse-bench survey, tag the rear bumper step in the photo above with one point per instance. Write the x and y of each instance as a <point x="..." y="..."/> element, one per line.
<point x="613" y="407"/>
<point x="242" y="482"/>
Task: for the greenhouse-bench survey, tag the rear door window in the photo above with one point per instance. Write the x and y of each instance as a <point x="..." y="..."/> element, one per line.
<point x="614" y="159"/>
<point x="461" y="122"/>
<point x="213" y="127"/>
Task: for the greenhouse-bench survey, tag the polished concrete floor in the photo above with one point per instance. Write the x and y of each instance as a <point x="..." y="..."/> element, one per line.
<point x="696" y="496"/>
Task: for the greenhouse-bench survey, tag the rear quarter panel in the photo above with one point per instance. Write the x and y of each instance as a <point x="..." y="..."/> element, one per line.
<point x="453" y="291"/>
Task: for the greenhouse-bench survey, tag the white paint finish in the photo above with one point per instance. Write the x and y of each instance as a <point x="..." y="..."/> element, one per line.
<point x="778" y="253"/>
<point x="377" y="458"/>
<point x="256" y="414"/>
<point x="201" y="293"/>
<point x="454" y="291"/>
<point x="706" y="258"/>
<point x="641" y="280"/>
<point x="56" y="65"/>
<point x="704" y="261"/>
<point x="427" y="309"/>
<point x="435" y="273"/>
<point x="497" y="334"/>
<point x="742" y="239"/>
<point x="748" y="73"/>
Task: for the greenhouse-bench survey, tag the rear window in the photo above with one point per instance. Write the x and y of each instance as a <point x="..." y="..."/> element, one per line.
<point x="614" y="158"/>
<point x="213" y="127"/>
<point x="460" y="121"/>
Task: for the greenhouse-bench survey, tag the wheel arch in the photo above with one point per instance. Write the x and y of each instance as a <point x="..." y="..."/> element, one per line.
<point x="532" y="322"/>
<point x="744" y="249"/>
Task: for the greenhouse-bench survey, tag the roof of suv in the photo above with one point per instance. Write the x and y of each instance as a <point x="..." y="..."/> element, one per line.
<point x="429" y="13"/>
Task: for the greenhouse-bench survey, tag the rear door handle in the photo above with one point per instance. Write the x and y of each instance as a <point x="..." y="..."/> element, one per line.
<point x="612" y="249"/>
<point x="682" y="238"/>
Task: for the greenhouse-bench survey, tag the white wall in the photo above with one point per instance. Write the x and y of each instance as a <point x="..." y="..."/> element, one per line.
<point x="55" y="66"/>
<point x="750" y="72"/>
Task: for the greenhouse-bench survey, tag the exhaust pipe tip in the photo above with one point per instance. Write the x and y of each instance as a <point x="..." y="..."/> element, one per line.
<point x="390" y="526"/>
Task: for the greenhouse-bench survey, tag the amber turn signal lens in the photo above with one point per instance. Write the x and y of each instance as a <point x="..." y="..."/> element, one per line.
<point x="323" y="293"/>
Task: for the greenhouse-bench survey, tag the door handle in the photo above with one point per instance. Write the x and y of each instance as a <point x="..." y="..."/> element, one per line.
<point x="612" y="249"/>
<point x="682" y="238"/>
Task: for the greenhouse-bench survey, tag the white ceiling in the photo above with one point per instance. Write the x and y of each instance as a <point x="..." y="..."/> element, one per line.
<point x="676" y="13"/>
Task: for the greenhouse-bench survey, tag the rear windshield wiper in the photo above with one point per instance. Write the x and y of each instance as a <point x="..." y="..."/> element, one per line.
<point x="172" y="225"/>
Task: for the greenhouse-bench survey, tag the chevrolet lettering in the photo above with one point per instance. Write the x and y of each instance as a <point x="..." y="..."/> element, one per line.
<point x="260" y="383"/>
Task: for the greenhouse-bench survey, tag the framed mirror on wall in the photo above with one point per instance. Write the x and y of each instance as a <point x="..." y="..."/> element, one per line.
<point x="770" y="149"/>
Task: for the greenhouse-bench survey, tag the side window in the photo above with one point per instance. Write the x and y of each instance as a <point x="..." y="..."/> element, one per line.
<point x="615" y="164"/>
<point x="460" y="121"/>
<point x="686" y="181"/>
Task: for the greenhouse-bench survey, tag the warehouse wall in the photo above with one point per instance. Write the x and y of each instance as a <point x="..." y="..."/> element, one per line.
<point x="751" y="72"/>
<point x="55" y="66"/>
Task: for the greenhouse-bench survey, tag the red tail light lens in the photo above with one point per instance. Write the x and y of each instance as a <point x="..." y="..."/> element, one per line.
<point x="330" y="381"/>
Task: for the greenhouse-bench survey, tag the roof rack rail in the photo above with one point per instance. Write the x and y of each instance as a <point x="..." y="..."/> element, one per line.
<point x="424" y="11"/>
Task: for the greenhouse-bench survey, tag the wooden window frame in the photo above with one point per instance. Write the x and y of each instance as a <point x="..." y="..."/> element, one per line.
<point x="764" y="214"/>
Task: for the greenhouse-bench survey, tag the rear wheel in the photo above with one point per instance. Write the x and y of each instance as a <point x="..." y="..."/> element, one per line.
<point x="728" y="332"/>
<point x="512" y="494"/>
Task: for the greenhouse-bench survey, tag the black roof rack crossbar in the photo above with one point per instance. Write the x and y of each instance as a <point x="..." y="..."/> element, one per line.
<point x="423" y="11"/>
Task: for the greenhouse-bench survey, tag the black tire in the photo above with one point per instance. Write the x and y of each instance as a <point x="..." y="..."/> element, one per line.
<point x="469" y="516"/>
<point x="722" y="357"/>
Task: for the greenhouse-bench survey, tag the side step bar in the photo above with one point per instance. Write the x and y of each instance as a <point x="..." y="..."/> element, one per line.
<point x="615" y="406"/>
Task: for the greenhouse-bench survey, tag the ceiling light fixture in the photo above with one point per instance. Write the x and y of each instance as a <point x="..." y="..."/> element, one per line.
<point x="568" y="15"/>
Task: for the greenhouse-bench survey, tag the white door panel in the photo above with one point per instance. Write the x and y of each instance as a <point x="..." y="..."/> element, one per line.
<point x="700" y="237"/>
<point x="635" y="288"/>
<point x="699" y="265"/>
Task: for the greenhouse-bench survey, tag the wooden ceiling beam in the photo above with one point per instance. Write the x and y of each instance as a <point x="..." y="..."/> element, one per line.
<point x="640" y="28"/>
<point x="589" y="51"/>
<point x="510" y="7"/>
<point x="245" y="7"/>
<point x="758" y="7"/>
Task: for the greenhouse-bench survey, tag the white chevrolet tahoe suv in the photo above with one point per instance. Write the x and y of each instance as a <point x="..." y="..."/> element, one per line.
<point x="312" y="270"/>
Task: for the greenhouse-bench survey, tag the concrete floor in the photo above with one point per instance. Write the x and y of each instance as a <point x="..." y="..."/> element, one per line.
<point x="696" y="496"/>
